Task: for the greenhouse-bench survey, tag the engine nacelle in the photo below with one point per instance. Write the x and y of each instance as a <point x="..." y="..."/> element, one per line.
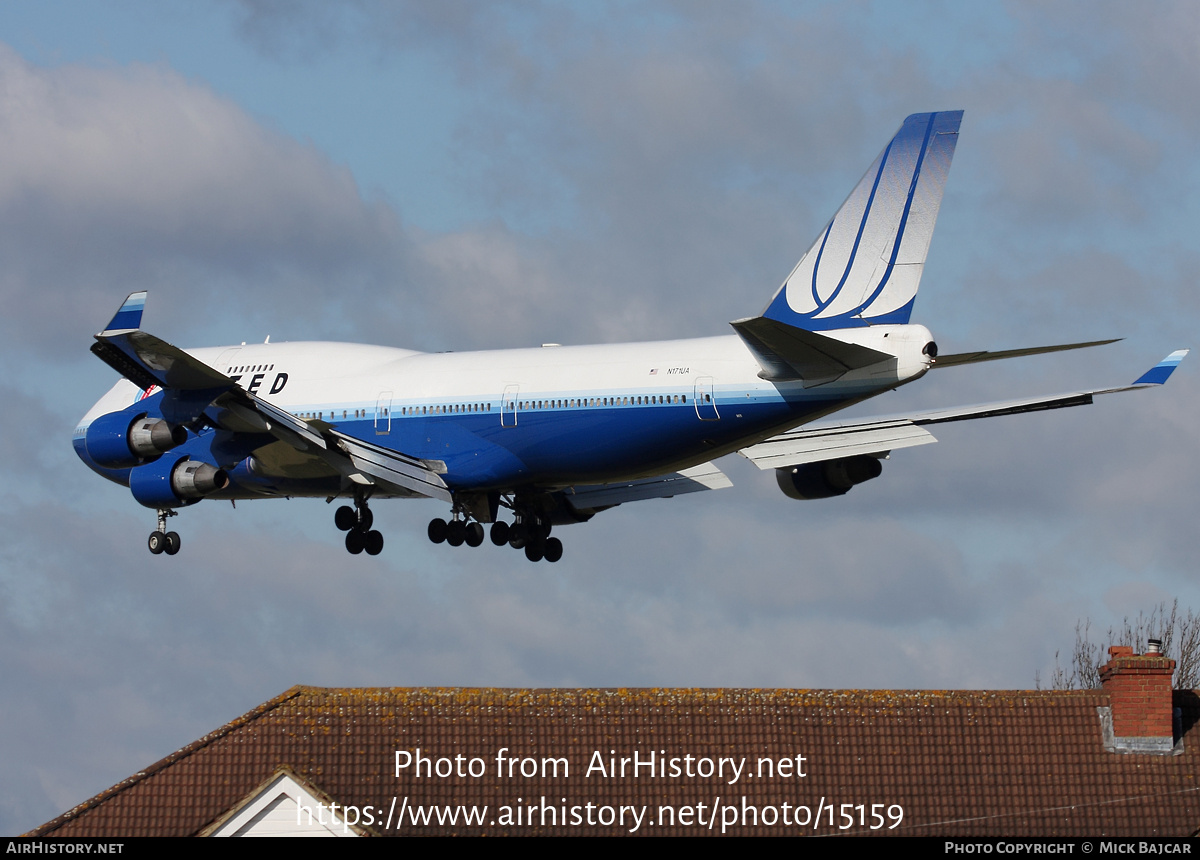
<point x="170" y="483"/>
<point x="114" y="441"/>
<point x="828" y="478"/>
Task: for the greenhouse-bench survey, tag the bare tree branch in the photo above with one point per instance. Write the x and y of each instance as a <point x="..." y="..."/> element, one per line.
<point x="1179" y="632"/>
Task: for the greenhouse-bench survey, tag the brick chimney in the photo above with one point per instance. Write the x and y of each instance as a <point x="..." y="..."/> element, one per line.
<point x="1142" y="714"/>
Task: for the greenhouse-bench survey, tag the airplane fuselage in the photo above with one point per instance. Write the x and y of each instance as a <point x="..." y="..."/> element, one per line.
<point x="503" y="420"/>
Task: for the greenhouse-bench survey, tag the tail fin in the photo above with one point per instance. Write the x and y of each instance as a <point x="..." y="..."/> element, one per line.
<point x="865" y="267"/>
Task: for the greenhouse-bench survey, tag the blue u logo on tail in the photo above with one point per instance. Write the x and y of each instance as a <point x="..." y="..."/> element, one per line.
<point x="865" y="267"/>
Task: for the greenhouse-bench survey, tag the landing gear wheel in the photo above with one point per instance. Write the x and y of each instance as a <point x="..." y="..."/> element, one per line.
<point x="355" y="541"/>
<point x="173" y="543"/>
<point x="345" y="518"/>
<point x="456" y="532"/>
<point x="499" y="533"/>
<point x="553" y="550"/>
<point x="518" y="535"/>
<point x="474" y="534"/>
<point x="157" y="542"/>
<point x="437" y="530"/>
<point x="533" y="551"/>
<point x="373" y="543"/>
<point x="365" y="519"/>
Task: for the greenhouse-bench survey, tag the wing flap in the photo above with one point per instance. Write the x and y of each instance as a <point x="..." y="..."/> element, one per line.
<point x="693" y="480"/>
<point x="830" y="442"/>
<point x="392" y="467"/>
<point x="280" y="423"/>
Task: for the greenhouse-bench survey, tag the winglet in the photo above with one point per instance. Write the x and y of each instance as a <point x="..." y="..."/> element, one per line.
<point x="1158" y="374"/>
<point x="129" y="317"/>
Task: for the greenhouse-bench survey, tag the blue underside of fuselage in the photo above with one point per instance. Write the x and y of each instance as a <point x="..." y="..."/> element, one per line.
<point x="567" y="445"/>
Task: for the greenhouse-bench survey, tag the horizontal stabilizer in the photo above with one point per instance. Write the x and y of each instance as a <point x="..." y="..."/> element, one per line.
<point x="787" y="353"/>
<point x="693" y="480"/>
<point x="985" y="355"/>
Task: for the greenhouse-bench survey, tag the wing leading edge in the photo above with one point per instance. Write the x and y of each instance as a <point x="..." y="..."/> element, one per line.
<point x="828" y="441"/>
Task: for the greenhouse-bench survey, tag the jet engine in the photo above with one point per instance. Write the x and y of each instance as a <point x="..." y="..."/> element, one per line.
<point x="828" y="478"/>
<point x="169" y="483"/>
<point x="114" y="441"/>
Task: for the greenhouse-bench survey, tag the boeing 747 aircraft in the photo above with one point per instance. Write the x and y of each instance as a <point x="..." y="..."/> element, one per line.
<point x="529" y="439"/>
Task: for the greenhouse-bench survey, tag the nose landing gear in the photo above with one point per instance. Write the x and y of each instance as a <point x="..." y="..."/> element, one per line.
<point x="161" y="540"/>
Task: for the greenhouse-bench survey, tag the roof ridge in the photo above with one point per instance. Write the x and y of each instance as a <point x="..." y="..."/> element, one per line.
<point x="179" y="754"/>
<point x="708" y="691"/>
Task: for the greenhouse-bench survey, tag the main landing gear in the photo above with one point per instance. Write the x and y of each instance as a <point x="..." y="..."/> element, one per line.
<point x="162" y="540"/>
<point x="528" y="532"/>
<point x="456" y="532"/>
<point x="356" y="523"/>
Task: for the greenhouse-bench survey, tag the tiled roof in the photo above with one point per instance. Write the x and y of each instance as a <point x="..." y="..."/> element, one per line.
<point x="957" y="762"/>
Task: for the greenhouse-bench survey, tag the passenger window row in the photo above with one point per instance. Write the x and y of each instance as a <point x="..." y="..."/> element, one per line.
<point x="524" y="405"/>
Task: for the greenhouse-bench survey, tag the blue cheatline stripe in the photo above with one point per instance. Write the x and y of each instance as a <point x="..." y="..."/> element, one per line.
<point x="1158" y="374"/>
<point x="549" y="442"/>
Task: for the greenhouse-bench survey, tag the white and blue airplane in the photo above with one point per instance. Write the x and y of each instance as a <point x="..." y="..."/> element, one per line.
<point x="550" y="436"/>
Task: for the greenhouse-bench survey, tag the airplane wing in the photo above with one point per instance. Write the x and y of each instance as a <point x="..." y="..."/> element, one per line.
<point x="830" y="441"/>
<point x="195" y="389"/>
<point x="693" y="480"/>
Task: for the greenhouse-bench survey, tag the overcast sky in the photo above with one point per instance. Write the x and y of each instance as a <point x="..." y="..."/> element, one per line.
<point x="461" y="175"/>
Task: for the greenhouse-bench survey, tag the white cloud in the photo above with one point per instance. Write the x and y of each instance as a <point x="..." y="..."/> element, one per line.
<point x="119" y="178"/>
